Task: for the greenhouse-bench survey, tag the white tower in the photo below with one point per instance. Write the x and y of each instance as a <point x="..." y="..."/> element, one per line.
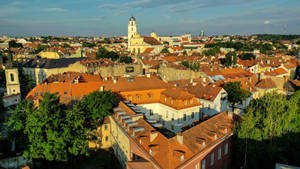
<point x="12" y="81"/>
<point x="132" y="29"/>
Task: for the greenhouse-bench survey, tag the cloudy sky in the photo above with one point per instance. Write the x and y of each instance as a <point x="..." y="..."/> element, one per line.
<point x="166" y="17"/>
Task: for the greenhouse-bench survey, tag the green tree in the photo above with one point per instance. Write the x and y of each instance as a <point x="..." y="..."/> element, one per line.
<point x="17" y="123"/>
<point x="2" y="109"/>
<point x="185" y="53"/>
<point x="293" y="52"/>
<point x="2" y="78"/>
<point x="103" y="53"/>
<point x="98" y="105"/>
<point x="230" y="59"/>
<point x="235" y="93"/>
<point x="14" y="44"/>
<point x="268" y="133"/>
<point x="247" y="56"/>
<point x="164" y="50"/>
<point x="212" y="52"/>
<point x="40" y="48"/>
<point x="65" y="45"/>
<point x="298" y="42"/>
<point x="88" y="45"/>
<point x="125" y="59"/>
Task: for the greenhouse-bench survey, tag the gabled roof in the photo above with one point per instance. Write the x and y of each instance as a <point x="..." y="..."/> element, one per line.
<point x="276" y="72"/>
<point x="266" y="84"/>
<point x="151" y="41"/>
<point x="209" y="92"/>
<point x="50" y="63"/>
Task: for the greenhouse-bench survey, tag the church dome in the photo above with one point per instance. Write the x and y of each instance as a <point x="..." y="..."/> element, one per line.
<point x="132" y="18"/>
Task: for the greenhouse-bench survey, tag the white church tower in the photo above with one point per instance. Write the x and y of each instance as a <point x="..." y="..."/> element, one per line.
<point x="132" y="29"/>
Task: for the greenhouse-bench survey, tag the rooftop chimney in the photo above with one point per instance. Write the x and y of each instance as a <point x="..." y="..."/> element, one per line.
<point x="153" y="135"/>
<point x="180" y="138"/>
<point x="148" y="75"/>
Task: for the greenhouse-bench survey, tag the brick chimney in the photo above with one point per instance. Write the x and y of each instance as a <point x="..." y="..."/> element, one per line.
<point x="179" y="137"/>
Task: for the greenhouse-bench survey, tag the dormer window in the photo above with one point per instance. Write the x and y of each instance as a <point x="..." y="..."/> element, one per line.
<point x="150" y="152"/>
<point x="182" y="158"/>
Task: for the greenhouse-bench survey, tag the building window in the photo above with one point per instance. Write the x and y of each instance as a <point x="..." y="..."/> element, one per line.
<point x="185" y="102"/>
<point x="212" y="159"/>
<point x="151" y="113"/>
<point x="150" y="152"/>
<point x="130" y="98"/>
<point x="167" y="114"/>
<point x="172" y="101"/>
<point x="165" y="99"/>
<point x="226" y="148"/>
<point x="192" y="101"/>
<point x="106" y="138"/>
<point x="105" y="127"/>
<point x="193" y="115"/>
<point x="172" y="127"/>
<point x="219" y="153"/>
<point x="36" y="94"/>
<point x="65" y="92"/>
<point x="184" y="117"/>
<point x="150" y="96"/>
<point x="138" y="97"/>
<point x="197" y="166"/>
<point x="182" y="158"/>
<point x="203" y="164"/>
<point x="41" y="93"/>
<point x="12" y="78"/>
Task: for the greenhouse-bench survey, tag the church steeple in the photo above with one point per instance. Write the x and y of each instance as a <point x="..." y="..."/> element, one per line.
<point x="132" y="29"/>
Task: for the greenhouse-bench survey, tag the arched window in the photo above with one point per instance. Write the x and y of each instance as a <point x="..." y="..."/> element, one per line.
<point x="12" y="78"/>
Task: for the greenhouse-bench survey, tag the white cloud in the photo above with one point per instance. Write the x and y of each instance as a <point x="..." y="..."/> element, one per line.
<point x="56" y="10"/>
<point x="267" y="22"/>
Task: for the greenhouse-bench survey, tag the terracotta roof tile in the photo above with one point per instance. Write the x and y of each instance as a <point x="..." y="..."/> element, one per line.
<point x="266" y="84"/>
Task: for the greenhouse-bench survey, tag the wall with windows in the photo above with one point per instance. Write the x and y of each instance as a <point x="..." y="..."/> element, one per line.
<point x="171" y="118"/>
<point x="218" y="105"/>
<point x="215" y="158"/>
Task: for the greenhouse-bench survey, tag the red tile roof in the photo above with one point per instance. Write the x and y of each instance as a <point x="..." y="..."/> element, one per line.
<point x="276" y="72"/>
<point x="151" y="41"/>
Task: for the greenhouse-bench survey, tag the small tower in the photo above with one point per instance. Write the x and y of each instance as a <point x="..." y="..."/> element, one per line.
<point x="132" y="29"/>
<point x="12" y="78"/>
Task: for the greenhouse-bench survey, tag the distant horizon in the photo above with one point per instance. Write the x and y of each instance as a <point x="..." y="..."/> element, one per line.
<point x="193" y="35"/>
<point x="105" y="18"/>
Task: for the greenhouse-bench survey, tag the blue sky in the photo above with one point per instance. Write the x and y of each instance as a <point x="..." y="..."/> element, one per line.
<point x="166" y="17"/>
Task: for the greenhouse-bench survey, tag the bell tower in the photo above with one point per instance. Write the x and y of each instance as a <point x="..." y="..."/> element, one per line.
<point x="132" y="29"/>
<point x="12" y="78"/>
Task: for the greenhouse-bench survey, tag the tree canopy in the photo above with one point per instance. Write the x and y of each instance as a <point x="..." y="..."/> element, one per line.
<point x="2" y="78"/>
<point x="269" y="132"/>
<point x="194" y="65"/>
<point x="164" y="50"/>
<point x="14" y="44"/>
<point x="53" y="132"/>
<point x="212" y="52"/>
<point x="125" y="59"/>
<point x="247" y="56"/>
<point x="98" y="105"/>
<point x="230" y="59"/>
<point x="88" y="45"/>
<point x="235" y="93"/>
<point x="103" y="53"/>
